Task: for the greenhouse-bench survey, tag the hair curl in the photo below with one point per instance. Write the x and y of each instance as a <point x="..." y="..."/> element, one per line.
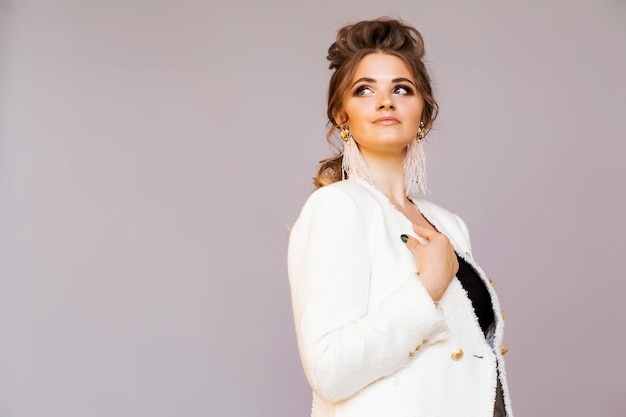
<point x="355" y="41"/>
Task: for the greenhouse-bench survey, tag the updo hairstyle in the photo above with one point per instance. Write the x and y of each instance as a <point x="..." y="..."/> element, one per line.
<point x="355" y="41"/>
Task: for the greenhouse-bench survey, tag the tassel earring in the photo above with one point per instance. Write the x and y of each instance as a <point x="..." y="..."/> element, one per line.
<point x="415" y="166"/>
<point x="352" y="164"/>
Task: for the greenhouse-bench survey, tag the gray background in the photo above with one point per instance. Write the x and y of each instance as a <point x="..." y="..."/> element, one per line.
<point x="153" y="155"/>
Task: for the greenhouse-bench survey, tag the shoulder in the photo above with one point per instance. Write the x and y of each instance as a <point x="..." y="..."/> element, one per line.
<point x="346" y="195"/>
<point x="332" y="219"/>
<point x="343" y="205"/>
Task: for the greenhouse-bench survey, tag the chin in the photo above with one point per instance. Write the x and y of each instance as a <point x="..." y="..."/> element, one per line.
<point x="395" y="141"/>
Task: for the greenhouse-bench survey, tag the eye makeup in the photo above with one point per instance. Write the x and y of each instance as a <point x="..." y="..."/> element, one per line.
<point x="363" y="90"/>
<point x="408" y="91"/>
<point x="401" y="89"/>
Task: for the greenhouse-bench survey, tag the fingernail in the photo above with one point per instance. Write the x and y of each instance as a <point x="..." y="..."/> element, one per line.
<point x="404" y="238"/>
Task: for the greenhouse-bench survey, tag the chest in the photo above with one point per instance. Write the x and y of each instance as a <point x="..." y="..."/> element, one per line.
<point x="391" y="262"/>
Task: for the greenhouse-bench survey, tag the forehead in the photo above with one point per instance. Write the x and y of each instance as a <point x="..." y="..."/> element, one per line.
<point x="382" y="67"/>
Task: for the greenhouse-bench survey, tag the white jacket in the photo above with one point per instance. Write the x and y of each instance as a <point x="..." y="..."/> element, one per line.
<point x="371" y="340"/>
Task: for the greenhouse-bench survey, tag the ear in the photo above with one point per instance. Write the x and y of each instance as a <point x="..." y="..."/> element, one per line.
<point x="340" y="118"/>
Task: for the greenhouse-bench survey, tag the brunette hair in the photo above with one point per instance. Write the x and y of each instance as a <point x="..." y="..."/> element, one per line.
<point x="355" y="41"/>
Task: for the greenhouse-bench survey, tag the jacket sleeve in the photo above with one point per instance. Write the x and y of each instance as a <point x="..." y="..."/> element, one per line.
<point x="344" y="345"/>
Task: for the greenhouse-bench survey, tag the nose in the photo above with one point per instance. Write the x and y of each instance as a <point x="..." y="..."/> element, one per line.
<point x="385" y="102"/>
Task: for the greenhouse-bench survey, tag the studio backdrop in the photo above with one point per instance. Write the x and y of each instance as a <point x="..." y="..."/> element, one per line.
<point x="153" y="156"/>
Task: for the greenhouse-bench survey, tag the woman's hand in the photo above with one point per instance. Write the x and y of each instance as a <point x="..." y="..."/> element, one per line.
<point x="436" y="260"/>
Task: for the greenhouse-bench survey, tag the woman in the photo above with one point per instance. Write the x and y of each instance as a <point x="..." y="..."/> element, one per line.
<point x="393" y="316"/>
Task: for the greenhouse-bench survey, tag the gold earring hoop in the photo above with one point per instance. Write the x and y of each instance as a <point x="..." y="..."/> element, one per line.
<point x="345" y="133"/>
<point x="421" y="133"/>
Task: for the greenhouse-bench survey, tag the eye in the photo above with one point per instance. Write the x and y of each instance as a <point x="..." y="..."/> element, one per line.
<point x="403" y="90"/>
<point x="363" y="91"/>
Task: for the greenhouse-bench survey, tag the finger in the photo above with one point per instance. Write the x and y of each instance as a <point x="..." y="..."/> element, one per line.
<point x="424" y="232"/>
<point x="410" y="241"/>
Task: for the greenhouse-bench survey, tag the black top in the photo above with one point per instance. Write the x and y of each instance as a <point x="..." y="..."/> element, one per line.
<point x="477" y="292"/>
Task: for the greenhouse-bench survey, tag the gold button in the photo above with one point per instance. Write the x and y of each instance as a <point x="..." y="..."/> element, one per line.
<point x="505" y="349"/>
<point x="457" y="354"/>
<point x="412" y="354"/>
<point x="491" y="282"/>
<point x="469" y="255"/>
<point x="424" y="341"/>
<point x="502" y="314"/>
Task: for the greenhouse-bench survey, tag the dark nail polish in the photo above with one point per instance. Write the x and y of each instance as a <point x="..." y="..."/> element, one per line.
<point x="404" y="238"/>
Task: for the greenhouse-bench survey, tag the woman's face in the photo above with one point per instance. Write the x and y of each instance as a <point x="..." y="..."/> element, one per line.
<point x="382" y="105"/>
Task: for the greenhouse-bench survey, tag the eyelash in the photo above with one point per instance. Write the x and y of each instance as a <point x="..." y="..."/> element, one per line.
<point x="361" y="89"/>
<point x="409" y="90"/>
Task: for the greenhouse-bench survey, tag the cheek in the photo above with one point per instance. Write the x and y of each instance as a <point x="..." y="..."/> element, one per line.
<point x="415" y="115"/>
<point x="417" y="107"/>
<point x="354" y="112"/>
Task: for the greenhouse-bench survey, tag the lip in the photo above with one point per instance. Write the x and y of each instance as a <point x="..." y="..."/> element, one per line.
<point x="386" y="120"/>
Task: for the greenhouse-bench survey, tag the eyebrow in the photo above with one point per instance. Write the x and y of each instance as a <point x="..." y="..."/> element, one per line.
<point x="395" y="80"/>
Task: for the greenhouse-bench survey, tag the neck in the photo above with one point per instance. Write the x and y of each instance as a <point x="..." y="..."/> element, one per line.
<point x="387" y="174"/>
